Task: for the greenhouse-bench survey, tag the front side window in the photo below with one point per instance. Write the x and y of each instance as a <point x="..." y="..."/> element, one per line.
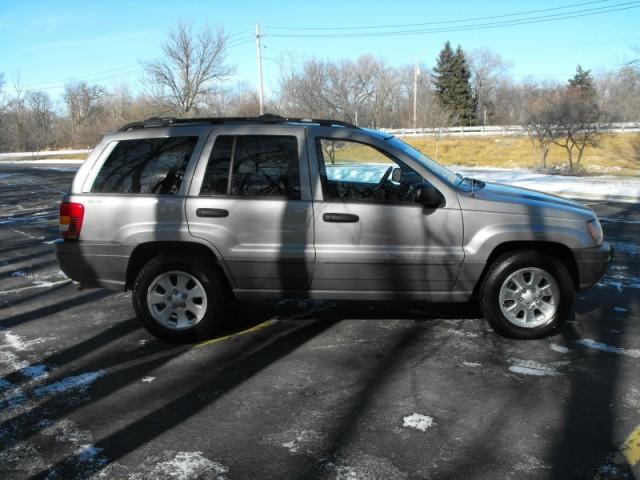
<point x="253" y="166"/>
<point x="149" y="165"/>
<point x="353" y="171"/>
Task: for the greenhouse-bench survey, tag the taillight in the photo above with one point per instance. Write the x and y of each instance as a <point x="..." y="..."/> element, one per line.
<point x="71" y="216"/>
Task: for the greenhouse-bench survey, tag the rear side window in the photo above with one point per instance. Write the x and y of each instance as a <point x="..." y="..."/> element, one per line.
<point x="253" y="166"/>
<point x="149" y="165"/>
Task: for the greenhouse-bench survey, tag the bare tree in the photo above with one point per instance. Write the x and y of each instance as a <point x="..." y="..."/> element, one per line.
<point x="41" y="120"/>
<point x="192" y="66"/>
<point x="81" y="100"/>
<point x="575" y="126"/>
<point x="539" y="122"/>
<point x="488" y="71"/>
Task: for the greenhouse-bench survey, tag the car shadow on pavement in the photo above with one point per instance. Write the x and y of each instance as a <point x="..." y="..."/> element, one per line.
<point x="229" y="372"/>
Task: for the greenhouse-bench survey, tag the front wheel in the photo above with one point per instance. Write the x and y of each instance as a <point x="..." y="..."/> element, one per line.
<point x="526" y="294"/>
<point x="179" y="300"/>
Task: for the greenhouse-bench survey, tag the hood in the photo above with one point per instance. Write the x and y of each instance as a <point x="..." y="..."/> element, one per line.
<point x="498" y="197"/>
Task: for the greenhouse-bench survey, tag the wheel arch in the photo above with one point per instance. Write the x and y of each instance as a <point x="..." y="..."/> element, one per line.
<point x="557" y="250"/>
<point x="144" y="252"/>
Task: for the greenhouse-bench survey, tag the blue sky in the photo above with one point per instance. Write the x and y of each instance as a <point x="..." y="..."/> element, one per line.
<point x="48" y="42"/>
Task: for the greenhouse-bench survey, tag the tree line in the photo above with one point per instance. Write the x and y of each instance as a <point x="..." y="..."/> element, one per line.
<point x="195" y="77"/>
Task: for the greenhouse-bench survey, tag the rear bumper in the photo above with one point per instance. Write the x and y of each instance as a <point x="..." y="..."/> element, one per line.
<point x="592" y="263"/>
<point x="94" y="264"/>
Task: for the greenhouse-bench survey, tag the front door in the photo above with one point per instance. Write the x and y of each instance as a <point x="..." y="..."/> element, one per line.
<point x="371" y="235"/>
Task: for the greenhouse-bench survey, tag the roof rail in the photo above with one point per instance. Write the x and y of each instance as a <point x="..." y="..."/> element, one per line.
<point x="266" y="118"/>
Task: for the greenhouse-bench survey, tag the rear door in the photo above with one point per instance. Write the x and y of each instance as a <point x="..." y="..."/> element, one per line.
<point x="250" y="199"/>
<point x="371" y="236"/>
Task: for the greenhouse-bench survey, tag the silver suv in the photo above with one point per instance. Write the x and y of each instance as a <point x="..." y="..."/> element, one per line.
<point x="190" y="214"/>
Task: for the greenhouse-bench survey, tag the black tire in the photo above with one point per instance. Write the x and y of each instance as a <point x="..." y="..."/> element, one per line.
<point x="205" y="273"/>
<point x="500" y="270"/>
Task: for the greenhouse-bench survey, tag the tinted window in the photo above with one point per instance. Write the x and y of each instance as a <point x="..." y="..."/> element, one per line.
<point x="352" y="171"/>
<point x="216" y="177"/>
<point x="262" y="166"/>
<point x="150" y="165"/>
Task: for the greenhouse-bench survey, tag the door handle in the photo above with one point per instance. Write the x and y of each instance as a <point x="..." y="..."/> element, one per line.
<point x="340" y="217"/>
<point x="212" y="212"/>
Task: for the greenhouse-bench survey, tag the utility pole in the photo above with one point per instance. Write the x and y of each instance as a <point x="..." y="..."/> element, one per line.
<point x="416" y="72"/>
<point x="259" y="60"/>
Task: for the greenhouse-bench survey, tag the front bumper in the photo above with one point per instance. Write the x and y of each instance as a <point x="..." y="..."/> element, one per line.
<point x="592" y="264"/>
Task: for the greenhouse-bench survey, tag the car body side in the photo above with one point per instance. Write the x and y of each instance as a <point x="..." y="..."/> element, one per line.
<point x="273" y="246"/>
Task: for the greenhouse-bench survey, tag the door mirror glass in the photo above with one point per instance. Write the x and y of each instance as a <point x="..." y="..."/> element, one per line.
<point x="396" y="176"/>
<point x="427" y="195"/>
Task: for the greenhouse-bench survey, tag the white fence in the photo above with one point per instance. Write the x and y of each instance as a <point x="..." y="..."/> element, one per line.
<point x="483" y="130"/>
<point x="42" y="154"/>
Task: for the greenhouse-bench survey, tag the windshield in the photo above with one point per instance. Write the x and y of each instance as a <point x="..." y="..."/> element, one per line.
<point x="434" y="167"/>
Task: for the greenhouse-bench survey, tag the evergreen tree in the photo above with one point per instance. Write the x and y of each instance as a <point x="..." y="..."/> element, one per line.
<point x="582" y="83"/>
<point x="452" y="81"/>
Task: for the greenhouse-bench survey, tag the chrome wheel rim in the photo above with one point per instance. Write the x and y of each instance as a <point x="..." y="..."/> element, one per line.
<point x="177" y="300"/>
<point x="529" y="297"/>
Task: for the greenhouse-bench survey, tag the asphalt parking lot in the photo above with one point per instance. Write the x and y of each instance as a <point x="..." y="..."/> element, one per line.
<point x="299" y="390"/>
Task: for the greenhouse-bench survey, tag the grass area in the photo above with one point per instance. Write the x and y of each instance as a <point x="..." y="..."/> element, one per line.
<point x="617" y="154"/>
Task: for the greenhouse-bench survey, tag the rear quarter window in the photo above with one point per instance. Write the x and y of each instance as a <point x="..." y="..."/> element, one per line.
<point x="145" y="166"/>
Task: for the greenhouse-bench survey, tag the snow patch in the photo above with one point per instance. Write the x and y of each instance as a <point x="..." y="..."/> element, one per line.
<point x="187" y="465"/>
<point x="558" y="348"/>
<point x="529" y="367"/>
<point x="418" y="422"/>
<point x="64" y="430"/>
<point x="77" y="382"/>
<point x="148" y="379"/>
<point x="631" y="248"/>
<point x="9" y="363"/>
<point x="34" y="372"/>
<point x="302" y="439"/>
<point x="36" y="284"/>
<point x="88" y="453"/>
<point x="620" y="309"/>
<point x="471" y="364"/>
<point x="18" y="273"/>
<point x="603" y="347"/>
<point x="16" y="342"/>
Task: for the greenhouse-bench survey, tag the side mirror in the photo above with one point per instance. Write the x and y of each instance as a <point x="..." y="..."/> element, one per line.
<point x="427" y="195"/>
<point x="396" y="175"/>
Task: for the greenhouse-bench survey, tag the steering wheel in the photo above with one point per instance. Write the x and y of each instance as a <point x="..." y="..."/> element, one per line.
<point x="383" y="180"/>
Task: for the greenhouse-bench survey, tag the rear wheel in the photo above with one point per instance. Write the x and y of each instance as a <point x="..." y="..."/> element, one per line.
<point x="527" y="294"/>
<point x="179" y="299"/>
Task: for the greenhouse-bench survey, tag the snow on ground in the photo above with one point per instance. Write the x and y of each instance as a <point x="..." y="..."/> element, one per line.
<point x="603" y="347"/>
<point x="187" y="465"/>
<point x="529" y="367"/>
<point x="79" y="382"/>
<point x="418" y="422"/>
<point x="596" y="187"/>
<point x="558" y="348"/>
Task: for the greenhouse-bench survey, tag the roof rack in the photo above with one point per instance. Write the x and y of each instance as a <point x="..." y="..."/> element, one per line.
<point x="267" y="118"/>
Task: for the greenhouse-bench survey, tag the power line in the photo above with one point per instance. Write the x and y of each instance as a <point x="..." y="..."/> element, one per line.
<point x="480" y="26"/>
<point x="82" y="77"/>
<point x="440" y="22"/>
<point x="107" y="74"/>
